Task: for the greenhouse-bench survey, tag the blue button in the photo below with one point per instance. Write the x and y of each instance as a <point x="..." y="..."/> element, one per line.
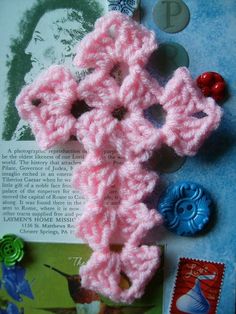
<point x="186" y="208"/>
<point x="124" y="6"/>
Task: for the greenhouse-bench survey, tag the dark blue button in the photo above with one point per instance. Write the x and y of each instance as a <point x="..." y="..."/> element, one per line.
<point x="185" y="207"/>
<point x="124" y="6"/>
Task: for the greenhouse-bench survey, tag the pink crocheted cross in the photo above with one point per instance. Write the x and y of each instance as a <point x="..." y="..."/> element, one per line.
<point x="117" y="120"/>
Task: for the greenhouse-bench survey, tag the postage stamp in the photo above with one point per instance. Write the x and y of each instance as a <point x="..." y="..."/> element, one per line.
<point x="197" y="287"/>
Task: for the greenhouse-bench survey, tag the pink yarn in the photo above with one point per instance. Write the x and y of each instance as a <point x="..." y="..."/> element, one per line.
<point x="182" y="100"/>
<point x="117" y="121"/>
<point x="46" y="105"/>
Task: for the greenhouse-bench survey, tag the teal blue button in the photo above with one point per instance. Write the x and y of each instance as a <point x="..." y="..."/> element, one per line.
<point x="171" y="16"/>
<point x="186" y="208"/>
<point x="168" y="58"/>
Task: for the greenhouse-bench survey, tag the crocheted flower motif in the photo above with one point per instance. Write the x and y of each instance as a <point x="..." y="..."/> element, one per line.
<point x="132" y="218"/>
<point x="115" y="39"/>
<point x="190" y="117"/>
<point x="124" y="6"/>
<point x="135" y="221"/>
<point x="47" y="104"/>
<point x="97" y="226"/>
<point x="117" y="119"/>
<point x="104" y="270"/>
<point x="131" y="223"/>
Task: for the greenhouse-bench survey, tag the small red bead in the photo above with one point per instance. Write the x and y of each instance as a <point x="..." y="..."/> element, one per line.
<point x="206" y="91"/>
<point x="207" y="78"/>
<point x="218" y="77"/>
<point x="199" y="82"/>
<point x="212" y="84"/>
<point x="218" y="88"/>
<point x="218" y="97"/>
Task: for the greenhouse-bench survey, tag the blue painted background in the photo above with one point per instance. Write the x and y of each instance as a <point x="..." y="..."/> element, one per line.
<point x="210" y="41"/>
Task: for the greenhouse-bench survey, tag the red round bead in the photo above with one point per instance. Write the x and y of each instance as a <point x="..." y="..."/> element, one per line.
<point x="206" y="91"/>
<point x="207" y="78"/>
<point x="199" y="82"/>
<point x="218" y="77"/>
<point x="218" y="88"/>
<point x="218" y="97"/>
<point x="212" y="84"/>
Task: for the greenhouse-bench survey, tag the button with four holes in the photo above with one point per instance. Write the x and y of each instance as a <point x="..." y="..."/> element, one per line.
<point x="11" y="249"/>
<point x="186" y="208"/>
